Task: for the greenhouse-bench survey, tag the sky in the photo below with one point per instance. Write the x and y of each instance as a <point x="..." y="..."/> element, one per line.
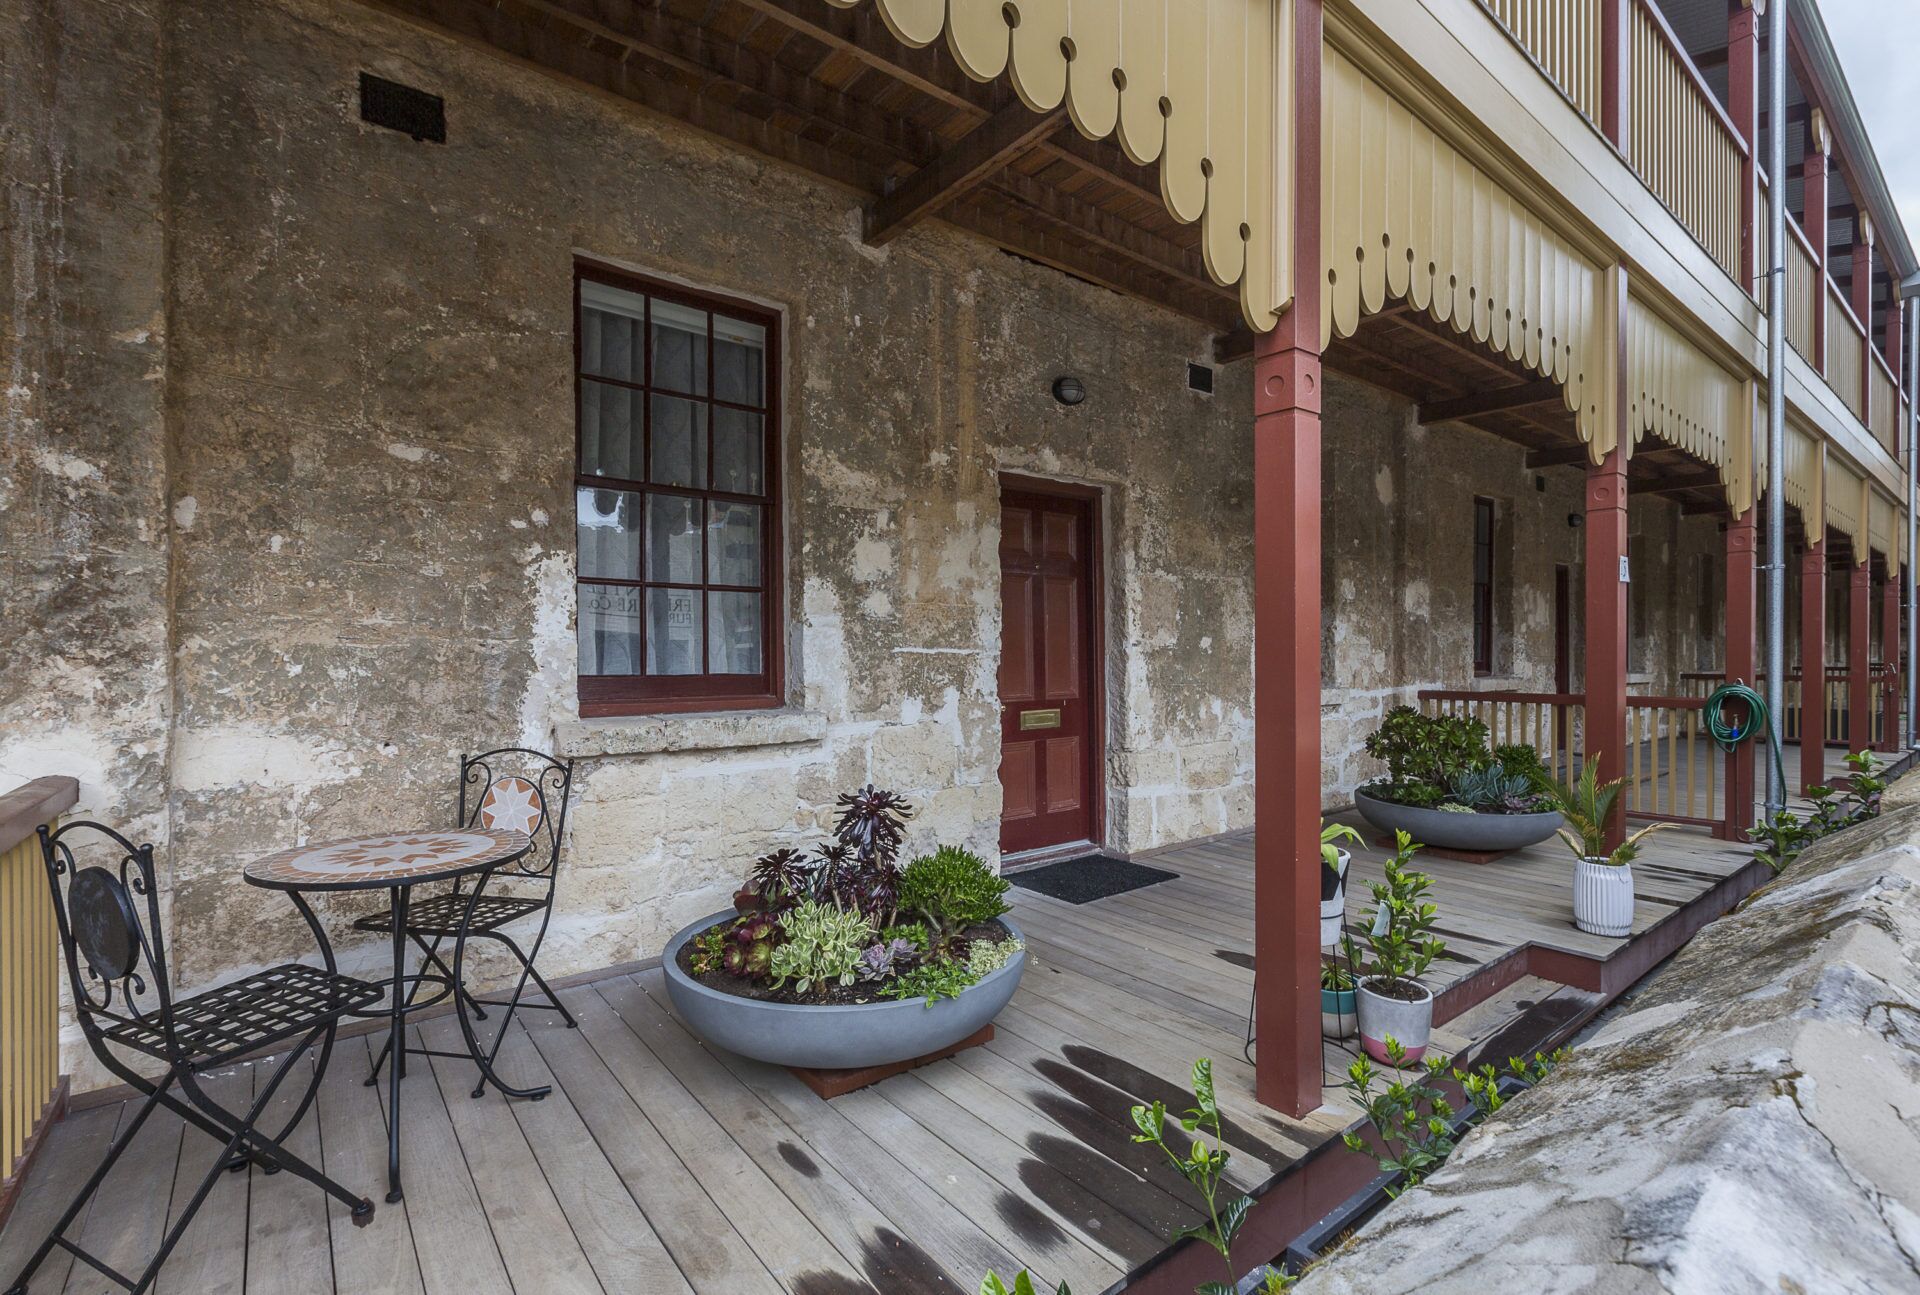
<point x="1877" y="41"/>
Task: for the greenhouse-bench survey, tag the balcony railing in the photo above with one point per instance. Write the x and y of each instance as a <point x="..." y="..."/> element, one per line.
<point x="1691" y="155"/>
<point x="1803" y="299"/>
<point x="1564" y="38"/>
<point x="1681" y="142"/>
<point x="1846" y="353"/>
<point x="1549" y="722"/>
<point x="1883" y="408"/>
<point x="31" y="1089"/>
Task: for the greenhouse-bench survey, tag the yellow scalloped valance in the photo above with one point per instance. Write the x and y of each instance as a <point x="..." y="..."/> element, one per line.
<point x="1883" y="520"/>
<point x="1405" y="214"/>
<point x="1846" y="505"/>
<point x="1805" y="479"/>
<point x="1685" y="399"/>
<point x="1193" y="84"/>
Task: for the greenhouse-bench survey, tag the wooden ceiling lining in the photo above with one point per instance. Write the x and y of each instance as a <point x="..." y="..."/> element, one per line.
<point x="832" y="91"/>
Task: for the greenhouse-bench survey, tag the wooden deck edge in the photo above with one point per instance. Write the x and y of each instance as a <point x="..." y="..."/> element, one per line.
<point x="50" y="1115"/>
<point x="1298" y="1199"/>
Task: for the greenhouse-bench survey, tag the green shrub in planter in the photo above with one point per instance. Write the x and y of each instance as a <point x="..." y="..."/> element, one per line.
<point x="951" y="890"/>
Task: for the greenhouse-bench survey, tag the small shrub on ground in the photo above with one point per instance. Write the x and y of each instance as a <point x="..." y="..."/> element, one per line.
<point x="1410" y="1114"/>
<point x="1782" y="837"/>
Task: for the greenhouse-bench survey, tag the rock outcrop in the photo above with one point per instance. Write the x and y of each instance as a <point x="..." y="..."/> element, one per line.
<point x="1751" y="1125"/>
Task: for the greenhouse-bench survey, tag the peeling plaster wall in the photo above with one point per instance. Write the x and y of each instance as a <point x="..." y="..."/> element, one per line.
<point x="288" y="458"/>
<point x="373" y="461"/>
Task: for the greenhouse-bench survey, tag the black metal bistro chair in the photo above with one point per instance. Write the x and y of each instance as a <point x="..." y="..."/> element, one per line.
<point x="521" y="790"/>
<point x="109" y="922"/>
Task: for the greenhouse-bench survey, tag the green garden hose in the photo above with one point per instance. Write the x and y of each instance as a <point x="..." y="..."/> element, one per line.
<point x="1730" y="735"/>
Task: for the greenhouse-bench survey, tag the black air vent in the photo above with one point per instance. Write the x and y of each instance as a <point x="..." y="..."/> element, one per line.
<point x="403" y="108"/>
<point x="1200" y="378"/>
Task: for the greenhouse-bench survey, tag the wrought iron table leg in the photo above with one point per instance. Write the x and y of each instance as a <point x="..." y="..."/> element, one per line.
<point x="396" y="1042"/>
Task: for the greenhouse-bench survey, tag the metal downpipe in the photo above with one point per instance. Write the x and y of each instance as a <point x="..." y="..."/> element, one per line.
<point x="1775" y="663"/>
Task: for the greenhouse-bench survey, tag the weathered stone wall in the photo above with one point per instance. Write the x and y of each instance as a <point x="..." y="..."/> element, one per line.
<point x="1745" y="1127"/>
<point x="84" y="668"/>
<point x="288" y="480"/>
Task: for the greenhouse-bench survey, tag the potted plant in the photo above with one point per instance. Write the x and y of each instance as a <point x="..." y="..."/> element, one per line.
<point x="1602" y="878"/>
<point x="842" y="958"/>
<point x="1390" y="1000"/>
<point x="1446" y="788"/>
<point x="1339" y="1016"/>
<point x="1333" y="882"/>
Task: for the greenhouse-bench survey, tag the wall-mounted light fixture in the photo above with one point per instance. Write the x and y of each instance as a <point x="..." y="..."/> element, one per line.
<point x="1069" y="390"/>
<point x="1576" y="521"/>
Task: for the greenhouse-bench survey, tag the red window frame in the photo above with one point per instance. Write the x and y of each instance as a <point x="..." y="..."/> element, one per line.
<point x="1483" y="575"/>
<point x="643" y="694"/>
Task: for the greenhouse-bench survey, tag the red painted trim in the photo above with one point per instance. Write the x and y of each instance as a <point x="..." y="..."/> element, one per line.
<point x="1813" y="647"/>
<point x="1286" y="613"/>
<point x="1859" y="660"/>
<point x="610" y="695"/>
<point x="1890" y="653"/>
<point x="1606" y="545"/>
<point x="1742" y="625"/>
<point x="1743" y="101"/>
<point x="1616" y="69"/>
<point x="1813" y="174"/>
<point x="1095" y="498"/>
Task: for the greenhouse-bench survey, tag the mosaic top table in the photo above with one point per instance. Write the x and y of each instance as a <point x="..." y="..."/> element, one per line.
<point x="396" y="862"/>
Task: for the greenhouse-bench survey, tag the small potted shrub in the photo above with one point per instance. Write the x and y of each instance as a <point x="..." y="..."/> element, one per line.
<point x="1602" y="878"/>
<point x="1333" y="881"/>
<point x="1446" y="788"/>
<point x="841" y="958"/>
<point x="1390" y="1000"/>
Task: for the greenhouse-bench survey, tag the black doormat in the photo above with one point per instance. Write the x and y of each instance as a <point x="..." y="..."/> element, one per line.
<point x="1094" y="876"/>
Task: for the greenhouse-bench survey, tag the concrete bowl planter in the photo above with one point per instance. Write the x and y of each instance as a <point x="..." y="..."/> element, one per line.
<point x="1603" y="897"/>
<point x="1479" y="833"/>
<point x="834" y="1036"/>
<point x="1408" y="1022"/>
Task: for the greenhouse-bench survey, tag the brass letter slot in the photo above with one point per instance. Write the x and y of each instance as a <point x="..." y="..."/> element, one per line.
<point x="1032" y="719"/>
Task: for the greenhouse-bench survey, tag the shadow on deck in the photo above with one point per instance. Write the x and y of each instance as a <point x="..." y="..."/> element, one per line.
<point x="660" y="1166"/>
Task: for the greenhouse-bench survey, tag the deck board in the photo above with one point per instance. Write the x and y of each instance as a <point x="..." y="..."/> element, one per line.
<point x="658" y="1165"/>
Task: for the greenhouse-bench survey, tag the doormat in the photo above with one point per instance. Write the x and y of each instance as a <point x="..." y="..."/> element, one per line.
<point x="1083" y="880"/>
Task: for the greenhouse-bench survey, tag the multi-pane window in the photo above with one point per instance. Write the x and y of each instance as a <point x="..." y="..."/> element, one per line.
<point x="677" y="500"/>
<point x="1483" y="586"/>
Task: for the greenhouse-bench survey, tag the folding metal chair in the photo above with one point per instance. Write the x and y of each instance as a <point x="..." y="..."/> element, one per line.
<point x="522" y="790"/>
<point x="117" y="968"/>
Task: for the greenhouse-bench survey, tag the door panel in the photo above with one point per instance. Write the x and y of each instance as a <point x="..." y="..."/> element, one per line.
<point x="1049" y="739"/>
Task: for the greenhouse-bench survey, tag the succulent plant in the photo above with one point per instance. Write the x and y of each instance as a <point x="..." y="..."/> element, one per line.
<point x="783" y="873"/>
<point x="750" y="946"/>
<point x="888" y="958"/>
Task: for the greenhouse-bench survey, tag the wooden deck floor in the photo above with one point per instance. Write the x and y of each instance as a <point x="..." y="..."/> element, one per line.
<point x="659" y="1166"/>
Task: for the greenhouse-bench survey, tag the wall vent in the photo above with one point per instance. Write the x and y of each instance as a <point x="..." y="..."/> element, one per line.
<point x="403" y="108"/>
<point x="1200" y="378"/>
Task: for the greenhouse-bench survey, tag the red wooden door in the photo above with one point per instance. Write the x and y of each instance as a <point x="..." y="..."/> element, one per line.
<point x="1050" y="743"/>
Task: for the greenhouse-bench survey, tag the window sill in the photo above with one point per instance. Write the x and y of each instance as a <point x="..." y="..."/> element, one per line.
<point x="703" y="731"/>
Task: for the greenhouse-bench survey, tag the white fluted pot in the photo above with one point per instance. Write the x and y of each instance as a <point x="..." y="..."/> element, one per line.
<point x="1603" y="898"/>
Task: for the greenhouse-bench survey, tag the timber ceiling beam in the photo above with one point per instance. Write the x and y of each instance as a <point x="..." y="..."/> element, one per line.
<point x="1491" y="402"/>
<point x="1559" y="457"/>
<point x="987" y="150"/>
<point x="1675" y="485"/>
